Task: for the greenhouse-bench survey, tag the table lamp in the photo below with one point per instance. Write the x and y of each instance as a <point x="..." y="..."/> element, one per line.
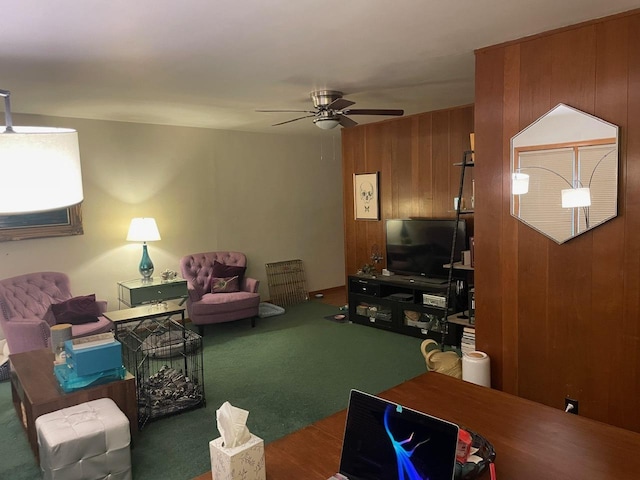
<point x="144" y="230"/>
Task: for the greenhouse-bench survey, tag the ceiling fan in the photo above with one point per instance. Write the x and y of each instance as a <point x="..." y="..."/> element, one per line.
<point x="331" y="110"/>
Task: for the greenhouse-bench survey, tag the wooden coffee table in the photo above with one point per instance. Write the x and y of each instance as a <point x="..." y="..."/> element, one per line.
<point x="35" y="391"/>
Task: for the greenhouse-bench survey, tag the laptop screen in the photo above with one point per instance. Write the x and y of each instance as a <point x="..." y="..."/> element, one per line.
<point x="385" y="441"/>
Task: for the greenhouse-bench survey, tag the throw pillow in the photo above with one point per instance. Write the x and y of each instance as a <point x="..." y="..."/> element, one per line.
<point x="77" y="310"/>
<point x="220" y="270"/>
<point x="225" y="285"/>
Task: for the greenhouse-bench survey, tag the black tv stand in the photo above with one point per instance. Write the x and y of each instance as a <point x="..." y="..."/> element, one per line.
<point x="398" y="303"/>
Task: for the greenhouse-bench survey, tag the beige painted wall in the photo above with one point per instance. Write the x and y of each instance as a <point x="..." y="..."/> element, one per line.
<point x="274" y="197"/>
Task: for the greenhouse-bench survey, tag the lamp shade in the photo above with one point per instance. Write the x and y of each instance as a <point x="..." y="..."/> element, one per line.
<point x="519" y="183"/>
<point x="143" y="230"/>
<point x="326" y="123"/>
<point x="39" y="170"/>
<point x="576" y="197"/>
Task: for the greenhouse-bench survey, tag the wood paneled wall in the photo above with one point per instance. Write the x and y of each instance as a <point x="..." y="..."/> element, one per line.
<point x="561" y="320"/>
<point x="415" y="157"/>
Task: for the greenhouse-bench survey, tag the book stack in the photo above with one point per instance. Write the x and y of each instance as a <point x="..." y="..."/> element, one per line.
<point x="468" y="343"/>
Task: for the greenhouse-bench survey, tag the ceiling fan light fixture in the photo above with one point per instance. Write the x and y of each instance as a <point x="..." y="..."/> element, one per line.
<point x="331" y="110"/>
<point x="326" y="123"/>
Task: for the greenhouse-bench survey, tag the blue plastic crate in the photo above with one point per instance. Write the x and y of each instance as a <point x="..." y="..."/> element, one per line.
<point x="70" y="381"/>
<point x="92" y="360"/>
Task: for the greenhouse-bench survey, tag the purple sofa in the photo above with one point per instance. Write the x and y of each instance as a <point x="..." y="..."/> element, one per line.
<point x="25" y="314"/>
<point x="205" y="307"/>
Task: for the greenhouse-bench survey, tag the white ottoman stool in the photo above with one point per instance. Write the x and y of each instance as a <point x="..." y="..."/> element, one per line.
<point x="89" y="441"/>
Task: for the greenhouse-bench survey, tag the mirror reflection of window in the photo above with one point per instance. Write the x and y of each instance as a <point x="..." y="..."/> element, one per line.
<point x="600" y="173"/>
<point x="541" y="205"/>
<point x="566" y="157"/>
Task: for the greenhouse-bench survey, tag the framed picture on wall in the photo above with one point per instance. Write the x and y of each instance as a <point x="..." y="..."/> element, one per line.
<point x="54" y="223"/>
<point x="366" y="196"/>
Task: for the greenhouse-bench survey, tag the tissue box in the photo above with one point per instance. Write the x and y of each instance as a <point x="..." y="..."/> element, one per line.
<point x="245" y="462"/>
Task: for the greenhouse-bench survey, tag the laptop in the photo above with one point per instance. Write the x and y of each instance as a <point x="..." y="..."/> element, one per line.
<point x="386" y="441"/>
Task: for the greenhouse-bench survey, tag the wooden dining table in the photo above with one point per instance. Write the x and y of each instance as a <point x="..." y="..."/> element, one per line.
<point x="531" y="440"/>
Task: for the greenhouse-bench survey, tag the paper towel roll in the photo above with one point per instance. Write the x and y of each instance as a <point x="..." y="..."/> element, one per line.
<point x="59" y="334"/>
<point x="476" y="368"/>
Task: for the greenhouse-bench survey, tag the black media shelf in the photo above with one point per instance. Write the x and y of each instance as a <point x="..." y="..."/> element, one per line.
<point x="397" y="303"/>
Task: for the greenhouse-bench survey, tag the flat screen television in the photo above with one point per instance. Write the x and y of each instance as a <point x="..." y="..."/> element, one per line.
<point x="422" y="246"/>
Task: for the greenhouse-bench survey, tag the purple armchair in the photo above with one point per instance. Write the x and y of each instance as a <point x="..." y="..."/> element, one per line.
<point x="205" y="307"/>
<point x="25" y="314"/>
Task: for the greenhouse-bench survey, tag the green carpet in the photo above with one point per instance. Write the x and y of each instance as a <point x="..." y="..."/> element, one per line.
<point x="288" y="371"/>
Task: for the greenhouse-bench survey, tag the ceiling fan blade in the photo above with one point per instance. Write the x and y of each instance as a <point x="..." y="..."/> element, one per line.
<point x="347" y="122"/>
<point x="287" y="111"/>
<point x="372" y="111"/>
<point x="292" y="120"/>
<point x="340" y="104"/>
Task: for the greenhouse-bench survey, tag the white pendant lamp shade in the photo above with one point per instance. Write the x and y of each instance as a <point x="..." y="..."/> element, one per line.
<point x="39" y="170"/>
<point x="576" y="197"/>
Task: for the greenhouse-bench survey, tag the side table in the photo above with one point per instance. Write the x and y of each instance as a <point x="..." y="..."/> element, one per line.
<point x="137" y="292"/>
<point x="35" y="391"/>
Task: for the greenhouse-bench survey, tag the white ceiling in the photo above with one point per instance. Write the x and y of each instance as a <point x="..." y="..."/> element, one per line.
<point x="211" y="63"/>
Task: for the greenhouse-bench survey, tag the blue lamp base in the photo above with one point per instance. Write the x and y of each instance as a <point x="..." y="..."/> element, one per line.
<point x="146" y="265"/>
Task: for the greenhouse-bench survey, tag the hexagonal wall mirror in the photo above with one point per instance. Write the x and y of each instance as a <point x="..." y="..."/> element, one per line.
<point x="564" y="173"/>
